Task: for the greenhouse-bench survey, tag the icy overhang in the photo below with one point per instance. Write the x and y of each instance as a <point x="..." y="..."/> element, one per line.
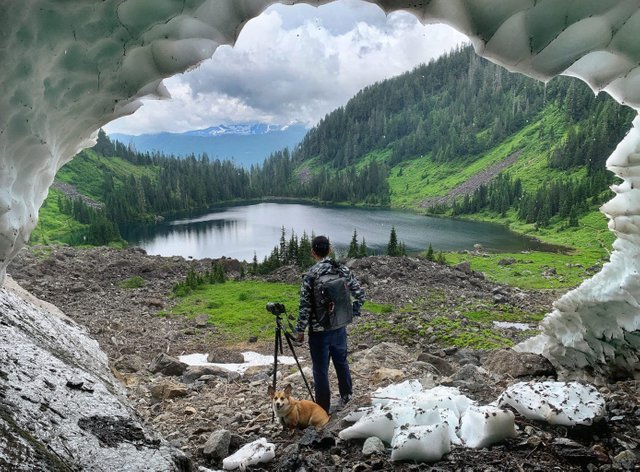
<point x="68" y="68"/>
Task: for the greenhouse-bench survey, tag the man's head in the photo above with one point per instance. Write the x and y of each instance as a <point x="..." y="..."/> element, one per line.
<point x="320" y="246"/>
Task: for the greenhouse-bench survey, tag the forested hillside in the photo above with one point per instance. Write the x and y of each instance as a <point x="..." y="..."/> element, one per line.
<point x="400" y="142"/>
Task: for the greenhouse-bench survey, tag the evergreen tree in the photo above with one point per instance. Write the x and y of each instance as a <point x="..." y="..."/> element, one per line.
<point x="354" y="250"/>
<point x="430" y="256"/>
<point x="392" y="246"/>
<point x="362" y="249"/>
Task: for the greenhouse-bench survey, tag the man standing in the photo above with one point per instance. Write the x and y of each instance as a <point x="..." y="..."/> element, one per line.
<point x="324" y="309"/>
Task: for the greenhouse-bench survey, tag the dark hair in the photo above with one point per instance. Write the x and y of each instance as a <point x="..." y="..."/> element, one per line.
<point x="320" y="246"/>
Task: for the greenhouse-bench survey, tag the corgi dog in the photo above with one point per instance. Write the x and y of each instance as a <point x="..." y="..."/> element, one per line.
<point x="294" y="413"/>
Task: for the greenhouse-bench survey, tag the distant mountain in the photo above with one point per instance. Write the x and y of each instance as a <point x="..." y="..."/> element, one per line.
<point x="245" y="144"/>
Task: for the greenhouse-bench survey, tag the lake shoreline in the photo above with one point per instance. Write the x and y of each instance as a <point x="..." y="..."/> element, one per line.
<point x="241" y="229"/>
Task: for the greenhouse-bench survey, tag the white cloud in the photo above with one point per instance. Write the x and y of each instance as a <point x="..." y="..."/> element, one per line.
<point x="293" y="64"/>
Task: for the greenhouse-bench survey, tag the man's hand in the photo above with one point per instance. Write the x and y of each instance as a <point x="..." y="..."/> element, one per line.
<point x="299" y="337"/>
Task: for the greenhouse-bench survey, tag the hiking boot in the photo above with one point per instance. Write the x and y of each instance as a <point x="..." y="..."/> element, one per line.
<point x="342" y="402"/>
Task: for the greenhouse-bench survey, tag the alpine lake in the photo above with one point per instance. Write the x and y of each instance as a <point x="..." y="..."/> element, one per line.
<point x="244" y="230"/>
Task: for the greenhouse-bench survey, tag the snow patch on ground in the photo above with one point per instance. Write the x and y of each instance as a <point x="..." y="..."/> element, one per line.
<point x="251" y="359"/>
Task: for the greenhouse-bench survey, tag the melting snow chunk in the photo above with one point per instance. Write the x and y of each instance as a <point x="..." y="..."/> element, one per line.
<point x="400" y="391"/>
<point x="420" y="443"/>
<point x="482" y="426"/>
<point x="560" y="403"/>
<point x="422" y="424"/>
<point x="250" y="454"/>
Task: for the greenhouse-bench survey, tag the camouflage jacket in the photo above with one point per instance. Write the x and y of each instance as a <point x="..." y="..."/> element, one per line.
<point x="306" y="310"/>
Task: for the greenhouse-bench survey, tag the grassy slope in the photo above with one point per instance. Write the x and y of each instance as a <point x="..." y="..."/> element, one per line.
<point x="53" y="226"/>
<point x="87" y="171"/>
<point x="412" y="181"/>
<point x="237" y="308"/>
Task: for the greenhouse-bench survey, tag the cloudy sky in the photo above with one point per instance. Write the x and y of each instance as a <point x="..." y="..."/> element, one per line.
<point x="293" y="64"/>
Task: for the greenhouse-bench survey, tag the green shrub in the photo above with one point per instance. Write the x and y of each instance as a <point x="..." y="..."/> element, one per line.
<point x="132" y="282"/>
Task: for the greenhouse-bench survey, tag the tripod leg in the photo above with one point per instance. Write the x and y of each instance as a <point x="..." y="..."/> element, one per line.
<point x="288" y="336"/>
<point x="277" y="344"/>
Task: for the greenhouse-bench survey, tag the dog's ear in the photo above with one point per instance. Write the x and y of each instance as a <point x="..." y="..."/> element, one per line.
<point x="288" y="389"/>
<point x="271" y="391"/>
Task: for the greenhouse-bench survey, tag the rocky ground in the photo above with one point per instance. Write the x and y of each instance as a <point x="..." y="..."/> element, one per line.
<point x="211" y="412"/>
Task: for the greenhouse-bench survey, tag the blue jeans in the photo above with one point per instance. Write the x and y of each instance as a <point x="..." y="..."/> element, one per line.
<point x="324" y="345"/>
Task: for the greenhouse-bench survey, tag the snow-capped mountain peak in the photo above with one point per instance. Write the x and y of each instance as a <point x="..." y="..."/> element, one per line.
<point x="246" y="129"/>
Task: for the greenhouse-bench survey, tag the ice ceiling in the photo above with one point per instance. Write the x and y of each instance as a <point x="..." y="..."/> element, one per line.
<point x="70" y="67"/>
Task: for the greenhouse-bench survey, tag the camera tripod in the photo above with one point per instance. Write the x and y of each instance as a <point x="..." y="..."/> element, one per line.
<point x="278" y="309"/>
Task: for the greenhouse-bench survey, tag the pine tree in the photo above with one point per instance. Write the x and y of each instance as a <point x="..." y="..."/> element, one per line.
<point x="353" y="246"/>
<point x="430" y="256"/>
<point x="362" y="250"/>
<point x="392" y="247"/>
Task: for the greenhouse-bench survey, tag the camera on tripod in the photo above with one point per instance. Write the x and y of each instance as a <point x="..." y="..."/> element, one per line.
<point x="276" y="309"/>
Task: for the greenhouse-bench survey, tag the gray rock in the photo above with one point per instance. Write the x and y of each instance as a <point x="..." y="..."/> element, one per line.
<point x="470" y="377"/>
<point x="194" y="372"/>
<point x="626" y="460"/>
<point x="167" y="365"/>
<point x="217" y="446"/>
<point x="41" y="353"/>
<point x="317" y="439"/>
<point x="381" y="355"/>
<point x="201" y="320"/>
<point x="518" y="364"/>
<point x="442" y="366"/>
<point x="373" y="445"/>
<point x="464" y="267"/>
<point x="225" y="356"/>
<point x="289" y="458"/>
<point x="130" y="363"/>
<point x="167" y="390"/>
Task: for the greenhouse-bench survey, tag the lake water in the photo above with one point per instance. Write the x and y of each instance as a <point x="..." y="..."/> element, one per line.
<point x="241" y="231"/>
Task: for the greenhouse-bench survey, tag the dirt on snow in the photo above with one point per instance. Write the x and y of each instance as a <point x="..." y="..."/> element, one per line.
<point x="209" y="413"/>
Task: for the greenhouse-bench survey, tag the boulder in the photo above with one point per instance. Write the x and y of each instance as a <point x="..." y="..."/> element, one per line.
<point x="442" y="366"/>
<point x="386" y="374"/>
<point x="381" y="355"/>
<point x="217" y="445"/>
<point x="57" y="389"/>
<point x="201" y="320"/>
<point x="167" y="365"/>
<point x="167" y="390"/>
<point x="225" y="356"/>
<point x="194" y="372"/>
<point x="514" y="364"/>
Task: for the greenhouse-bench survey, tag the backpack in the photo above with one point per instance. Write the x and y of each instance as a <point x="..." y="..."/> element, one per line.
<point x="332" y="299"/>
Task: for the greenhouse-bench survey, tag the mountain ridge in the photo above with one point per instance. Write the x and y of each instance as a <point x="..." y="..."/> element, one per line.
<point x="246" y="144"/>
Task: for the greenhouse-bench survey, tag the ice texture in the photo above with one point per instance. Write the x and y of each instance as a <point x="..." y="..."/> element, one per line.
<point x="567" y="404"/>
<point x="482" y="426"/>
<point x="71" y="67"/>
<point x="420" y="443"/>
